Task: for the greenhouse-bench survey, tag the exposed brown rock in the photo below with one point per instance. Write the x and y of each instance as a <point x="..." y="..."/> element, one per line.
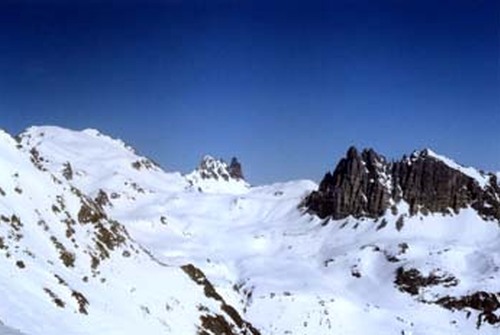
<point x="481" y="301"/>
<point x="484" y="302"/>
<point x="102" y="199"/>
<point x="232" y="323"/>
<point x="411" y="280"/>
<point x="81" y="300"/>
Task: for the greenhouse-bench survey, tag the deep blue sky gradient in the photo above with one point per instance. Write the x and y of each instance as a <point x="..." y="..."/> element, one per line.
<point x="285" y="86"/>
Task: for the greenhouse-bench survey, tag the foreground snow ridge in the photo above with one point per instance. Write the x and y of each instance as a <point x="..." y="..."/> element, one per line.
<point x="97" y="239"/>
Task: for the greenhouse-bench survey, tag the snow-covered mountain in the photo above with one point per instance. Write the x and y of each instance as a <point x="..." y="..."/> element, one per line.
<point x="216" y="176"/>
<point x="96" y="239"/>
<point x="70" y="268"/>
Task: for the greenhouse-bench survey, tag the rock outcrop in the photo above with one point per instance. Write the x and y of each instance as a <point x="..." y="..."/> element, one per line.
<point x="212" y="168"/>
<point x="429" y="184"/>
<point x="354" y="188"/>
<point x="235" y="170"/>
<point x="215" y="176"/>
<point x="366" y="185"/>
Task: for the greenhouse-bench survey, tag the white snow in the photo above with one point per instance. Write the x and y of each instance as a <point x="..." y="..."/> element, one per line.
<point x="284" y="270"/>
<point x="4" y="330"/>
<point x="128" y="292"/>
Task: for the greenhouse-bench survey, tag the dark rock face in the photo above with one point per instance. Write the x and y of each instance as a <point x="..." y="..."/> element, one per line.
<point x="235" y="170"/>
<point x="354" y="188"/>
<point x="411" y="281"/>
<point x="485" y="302"/>
<point x="429" y="184"/>
<point x="365" y="185"/>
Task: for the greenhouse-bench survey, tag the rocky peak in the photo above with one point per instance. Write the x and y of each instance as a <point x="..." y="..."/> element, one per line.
<point x="212" y="168"/>
<point x="356" y="187"/>
<point x="215" y="176"/>
<point x="366" y="185"/>
<point x="429" y="182"/>
<point x="217" y="169"/>
<point x="235" y="170"/>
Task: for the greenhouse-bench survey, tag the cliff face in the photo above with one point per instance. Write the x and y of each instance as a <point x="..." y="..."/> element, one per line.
<point x="366" y="185"/>
<point x="355" y="187"/>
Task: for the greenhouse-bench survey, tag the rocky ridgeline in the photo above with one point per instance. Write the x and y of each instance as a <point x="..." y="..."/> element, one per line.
<point x="367" y="185"/>
<point x="212" y="168"/>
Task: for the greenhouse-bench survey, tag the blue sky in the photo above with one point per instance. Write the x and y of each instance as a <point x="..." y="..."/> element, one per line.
<point x="285" y="86"/>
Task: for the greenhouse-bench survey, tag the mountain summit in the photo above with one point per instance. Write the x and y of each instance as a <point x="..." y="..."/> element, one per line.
<point x="215" y="175"/>
<point x="366" y="184"/>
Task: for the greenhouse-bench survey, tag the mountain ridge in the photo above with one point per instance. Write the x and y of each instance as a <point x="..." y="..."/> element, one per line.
<point x="366" y="184"/>
<point x="68" y="264"/>
<point x="241" y="260"/>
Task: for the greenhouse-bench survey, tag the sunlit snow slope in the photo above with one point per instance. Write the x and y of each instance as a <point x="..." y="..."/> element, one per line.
<point x="69" y="268"/>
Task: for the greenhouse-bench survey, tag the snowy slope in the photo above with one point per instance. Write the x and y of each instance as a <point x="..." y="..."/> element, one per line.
<point x="286" y="271"/>
<point x="4" y="330"/>
<point x="67" y="268"/>
<point x="93" y="161"/>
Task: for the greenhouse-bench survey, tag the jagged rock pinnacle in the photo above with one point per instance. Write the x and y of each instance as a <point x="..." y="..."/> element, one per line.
<point x="354" y="188"/>
<point x="235" y="170"/>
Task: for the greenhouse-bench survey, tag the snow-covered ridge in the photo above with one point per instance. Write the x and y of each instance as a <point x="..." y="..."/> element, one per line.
<point x="97" y="161"/>
<point x="482" y="179"/>
<point x="214" y="176"/>
<point x="69" y="267"/>
<point x="55" y="133"/>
